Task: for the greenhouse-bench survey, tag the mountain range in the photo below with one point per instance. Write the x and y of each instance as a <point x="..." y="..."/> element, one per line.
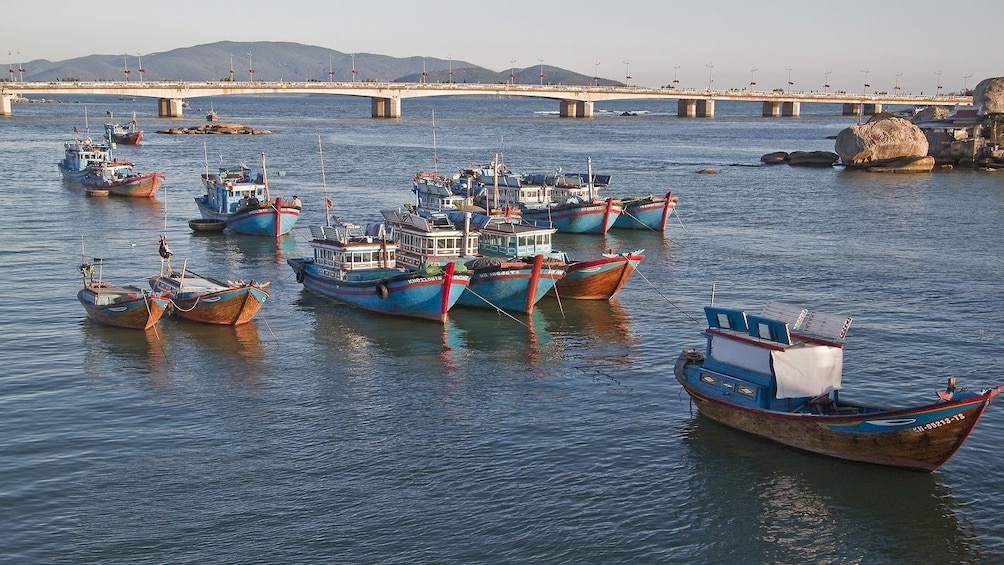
<point x="285" y="61"/>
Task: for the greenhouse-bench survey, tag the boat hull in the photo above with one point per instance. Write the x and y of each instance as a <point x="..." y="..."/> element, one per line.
<point x="125" y="311"/>
<point x="597" y="217"/>
<point x="138" y="186"/>
<point x="514" y="287"/>
<point x="647" y="213"/>
<point x="131" y="138"/>
<point x="392" y="291"/>
<point x="264" y="221"/>
<point x="921" y="438"/>
<point x="230" y="306"/>
<point x="597" y="279"/>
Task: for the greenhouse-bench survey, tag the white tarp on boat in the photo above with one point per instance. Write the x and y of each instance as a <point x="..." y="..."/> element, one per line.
<point x="741" y="354"/>
<point x="808" y="370"/>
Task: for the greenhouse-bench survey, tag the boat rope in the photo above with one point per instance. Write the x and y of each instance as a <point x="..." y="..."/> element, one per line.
<point x="561" y="307"/>
<point x="274" y="337"/>
<point x="664" y="297"/>
<point x="149" y="312"/>
<point x="176" y="307"/>
<point x="677" y="214"/>
<point x="637" y="219"/>
<point x="497" y="309"/>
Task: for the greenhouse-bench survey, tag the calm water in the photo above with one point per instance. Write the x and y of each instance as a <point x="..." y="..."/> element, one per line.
<point x="322" y="434"/>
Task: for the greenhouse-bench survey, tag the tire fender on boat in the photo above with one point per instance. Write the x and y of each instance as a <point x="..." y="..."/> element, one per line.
<point x="381" y="290"/>
<point x="299" y="275"/>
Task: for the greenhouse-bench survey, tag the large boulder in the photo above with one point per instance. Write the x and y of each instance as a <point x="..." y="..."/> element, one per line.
<point x="988" y="96"/>
<point x="882" y="139"/>
<point x="930" y="114"/>
<point x="812" y="158"/>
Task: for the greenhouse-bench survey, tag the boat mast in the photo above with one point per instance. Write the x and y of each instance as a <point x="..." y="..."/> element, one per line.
<point x="435" y="156"/>
<point x="324" y="185"/>
<point x="589" y="181"/>
<point x="264" y="177"/>
<point x="495" y="176"/>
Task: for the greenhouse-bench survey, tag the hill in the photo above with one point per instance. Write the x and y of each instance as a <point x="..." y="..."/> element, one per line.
<point x="278" y="61"/>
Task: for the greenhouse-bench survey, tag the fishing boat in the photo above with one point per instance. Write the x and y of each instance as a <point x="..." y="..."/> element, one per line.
<point x="597" y="279"/>
<point x="80" y="155"/>
<point x="646" y="212"/>
<point x="208" y="300"/>
<point x="778" y="375"/>
<point x="358" y="266"/>
<point x="122" y="306"/>
<point x="512" y="282"/>
<point x="124" y="134"/>
<point x="563" y="202"/>
<point x="241" y="198"/>
<point x="120" y="178"/>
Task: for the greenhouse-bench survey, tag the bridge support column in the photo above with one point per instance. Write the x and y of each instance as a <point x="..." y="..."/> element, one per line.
<point x="385" y="107"/>
<point x="575" y="109"/>
<point x="771" y="109"/>
<point x="790" y="109"/>
<point x="5" y="109"/>
<point x="872" y="109"/>
<point x="686" y="108"/>
<point x="851" y="109"/>
<point x="169" y="107"/>
<point x="706" y="108"/>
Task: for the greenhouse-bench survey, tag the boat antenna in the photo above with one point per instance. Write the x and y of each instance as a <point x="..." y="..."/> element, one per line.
<point x="435" y="156"/>
<point x="324" y="185"/>
<point x="495" y="176"/>
<point x="589" y="180"/>
<point x="205" y="157"/>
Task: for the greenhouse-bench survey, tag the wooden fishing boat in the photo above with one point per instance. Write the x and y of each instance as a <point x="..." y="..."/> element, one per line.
<point x="360" y="268"/>
<point x="241" y="199"/>
<point x="646" y="212"/>
<point x="122" y="306"/>
<point x="80" y="155"/>
<point x="204" y="299"/>
<point x="778" y="375"/>
<point x="120" y="179"/>
<point x="498" y="281"/>
<point x="598" y="279"/>
<point x="124" y="134"/>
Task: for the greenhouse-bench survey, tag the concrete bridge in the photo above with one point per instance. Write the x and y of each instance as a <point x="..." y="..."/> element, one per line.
<point x="386" y="97"/>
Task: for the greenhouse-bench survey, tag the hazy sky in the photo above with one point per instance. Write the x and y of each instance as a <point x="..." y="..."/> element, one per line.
<point x="652" y="40"/>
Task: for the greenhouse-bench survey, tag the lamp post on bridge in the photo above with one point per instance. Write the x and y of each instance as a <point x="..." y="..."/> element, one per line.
<point x="10" y="66"/>
<point x="865" y="89"/>
<point x="596" y="73"/>
<point x="20" y="69"/>
<point x="965" y="84"/>
<point x="331" y="70"/>
<point x="450" y="59"/>
<point x="354" y="70"/>
<point x="710" y="80"/>
<point x="676" y="81"/>
<point x="140" y="69"/>
<point x="424" y="73"/>
<point x="541" y="71"/>
<point x="752" y="79"/>
<point x="788" y="88"/>
<point x="512" y="71"/>
<point x="231" y="67"/>
<point x="937" y="91"/>
<point x="897" y="87"/>
<point x="125" y="67"/>
<point x="826" y="81"/>
<point x="250" y="69"/>
<point x="627" y="72"/>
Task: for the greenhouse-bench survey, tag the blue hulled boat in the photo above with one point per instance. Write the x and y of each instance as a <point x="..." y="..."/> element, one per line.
<point x="646" y="212"/>
<point x="778" y="375"/>
<point x="359" y="267"/>
<point x="508" y="281"/>
<point x="240" y="197"/>
<point x="80" y="155"/>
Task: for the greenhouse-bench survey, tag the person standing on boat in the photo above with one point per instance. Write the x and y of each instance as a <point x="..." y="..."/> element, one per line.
<point x="165" y="252"/>
<point x="296" y="202"/>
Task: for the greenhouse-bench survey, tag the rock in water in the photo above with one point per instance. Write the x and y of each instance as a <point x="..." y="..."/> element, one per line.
<point x="988" y="96"/>
<point x="880" y="140"/>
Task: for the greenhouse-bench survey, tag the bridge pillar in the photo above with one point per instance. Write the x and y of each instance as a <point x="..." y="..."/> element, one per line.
<point x="790" y="109"/>
<point x="686" y="108"/>
<point x="706" y="108"/>
<point x="169" y="107"/>
<point x="771" y="109"/>
<point x="5" y="109"/>
<point x="575" y="109"/>
<point x="871" y="109"/>
<point x="385" y="107"/>
<point x="851" y="109"/>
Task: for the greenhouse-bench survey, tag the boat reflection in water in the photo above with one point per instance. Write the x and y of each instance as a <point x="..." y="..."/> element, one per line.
<point x="600" y="326"/>
<point x="805" y="503"/>
<point x="237" y="351"/>
<point x="109" y="350"/>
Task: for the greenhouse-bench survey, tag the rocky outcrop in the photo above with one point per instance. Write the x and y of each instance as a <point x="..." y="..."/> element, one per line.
<point x="930" y="114"/>
<point x="882" y="140"/>
<point x="217" y="128"/>
<point x="988" y="96"/>
<point x="775" y="158"/>
<point x="905" y="165"/>
<point x="812" y="158"/>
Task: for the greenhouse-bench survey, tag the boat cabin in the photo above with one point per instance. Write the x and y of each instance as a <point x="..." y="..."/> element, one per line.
<point x="779" y="360"/>
<point x="80" y="154"/>
<point x="234" y="188"/>
<point x="510" y="240"/>
<point x="437" y="195"/>
<point x="429" y="237"/>
<point x="348" y="247"/>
